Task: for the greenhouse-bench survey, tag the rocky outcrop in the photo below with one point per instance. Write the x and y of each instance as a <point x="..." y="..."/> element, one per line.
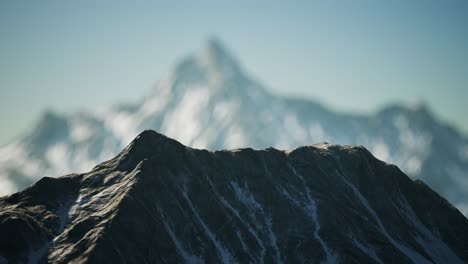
<point x="161" y="202"/>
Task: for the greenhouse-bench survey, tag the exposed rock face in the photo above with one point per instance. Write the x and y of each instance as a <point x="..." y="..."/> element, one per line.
<point x="159" y="201"/>
<point x="209" y="101"/>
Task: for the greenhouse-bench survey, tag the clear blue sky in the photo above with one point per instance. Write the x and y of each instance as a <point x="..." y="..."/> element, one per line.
<point x="352" y="55"/>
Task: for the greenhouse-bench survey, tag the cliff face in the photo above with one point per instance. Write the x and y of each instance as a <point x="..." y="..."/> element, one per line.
<point x="159" y="201"/>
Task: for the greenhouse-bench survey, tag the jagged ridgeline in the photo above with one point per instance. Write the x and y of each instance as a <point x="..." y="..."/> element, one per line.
<point x="161" y="202"/>
<point x="209" y="101"/>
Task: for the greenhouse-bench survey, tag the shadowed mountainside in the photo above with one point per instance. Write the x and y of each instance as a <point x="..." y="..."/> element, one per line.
<point x="209" y="101"/>
<point x="159" y="201"/>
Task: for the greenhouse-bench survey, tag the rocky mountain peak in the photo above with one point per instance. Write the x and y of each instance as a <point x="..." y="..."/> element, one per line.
<point x="159" y="201"/>
<point x="149" y="144"/>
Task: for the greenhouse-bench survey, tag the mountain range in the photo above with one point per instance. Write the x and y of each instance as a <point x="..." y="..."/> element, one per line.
<point x="161" y="202"/>
<point x="209" y="101"/>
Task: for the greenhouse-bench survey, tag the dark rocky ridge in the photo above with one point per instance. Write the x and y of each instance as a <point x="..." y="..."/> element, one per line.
<point x="208" y="100"/>
<point x="159" y="201"/>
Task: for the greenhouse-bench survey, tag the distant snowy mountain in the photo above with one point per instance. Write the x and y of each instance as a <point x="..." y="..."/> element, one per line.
<point x="208" y="101"/>
<point x="161" y="202"/>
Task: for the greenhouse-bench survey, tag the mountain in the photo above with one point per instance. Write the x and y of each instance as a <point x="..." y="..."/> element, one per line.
<point x="209" y="101"/>
<point x="159" y="201"/>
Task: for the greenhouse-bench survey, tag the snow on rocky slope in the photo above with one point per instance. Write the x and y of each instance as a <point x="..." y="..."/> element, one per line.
<point x="209" y="101"/>
<point x="161" y="202"/>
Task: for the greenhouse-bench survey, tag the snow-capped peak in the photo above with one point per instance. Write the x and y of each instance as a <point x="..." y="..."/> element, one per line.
<point x="218" y="60"/>
<point x="209" y="101"/>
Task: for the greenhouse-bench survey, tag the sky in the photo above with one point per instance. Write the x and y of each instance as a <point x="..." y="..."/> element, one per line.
<point x="350" y="55"/>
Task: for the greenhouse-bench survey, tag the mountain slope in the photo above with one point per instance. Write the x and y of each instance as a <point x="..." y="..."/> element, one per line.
<point x="209" y="101"/>
<point x="159" y="201"/>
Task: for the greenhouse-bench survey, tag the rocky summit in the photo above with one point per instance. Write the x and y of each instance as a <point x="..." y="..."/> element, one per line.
<point x="210" y="101"/>
<point x="161" y="202"/>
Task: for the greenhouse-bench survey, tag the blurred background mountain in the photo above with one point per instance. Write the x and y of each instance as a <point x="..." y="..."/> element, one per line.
<point x="75" y="80"/>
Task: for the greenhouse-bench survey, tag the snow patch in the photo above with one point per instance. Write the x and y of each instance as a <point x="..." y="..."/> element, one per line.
<point x="272" y="238"/>
<point x="310" y="207"/>
<point x="189" y="258"/>
<point x="295" y="202"/>
<point x="223" y="253"/>
<point x="80" y="132"/>
<point x="250" y="229"/>
<point x="415" y="141"/>
<point x="368" y="250"/>
<point x="223" y="110"/>
<point x="411" y="254"/>
<point x="246" y="197"/>
<point x="239" y="236"/>
<point x="184" y="123"/>
<point x="434" y="247"/>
